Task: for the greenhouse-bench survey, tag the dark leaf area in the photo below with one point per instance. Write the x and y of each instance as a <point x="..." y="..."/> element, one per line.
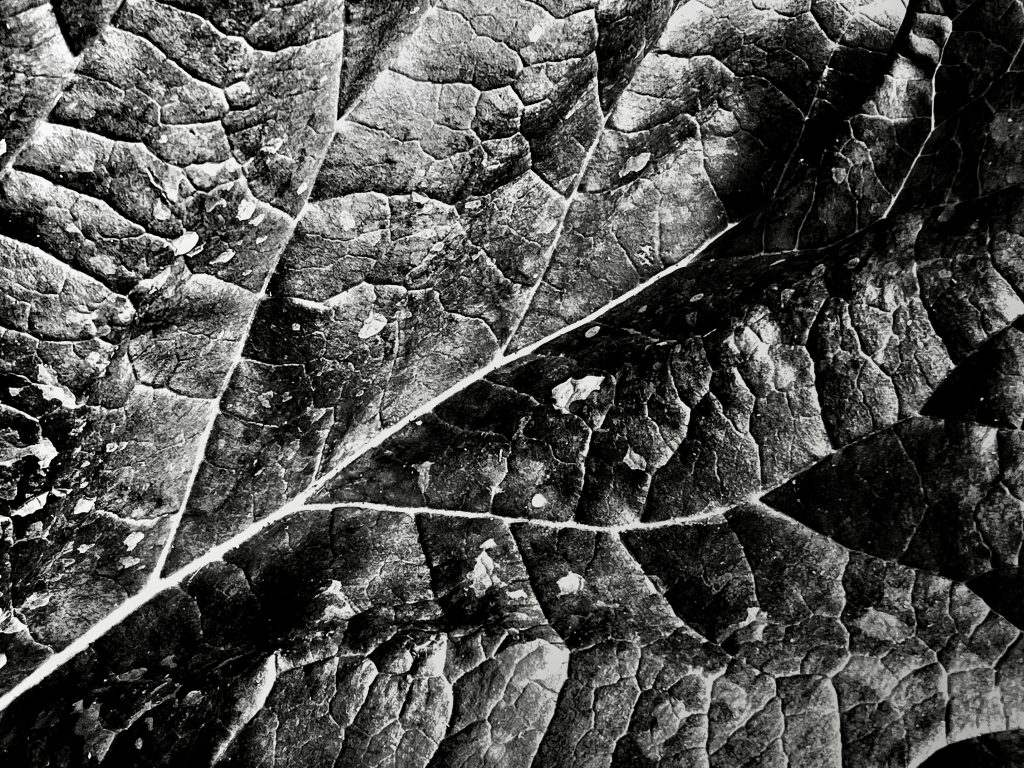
<point x="544" y="383"/>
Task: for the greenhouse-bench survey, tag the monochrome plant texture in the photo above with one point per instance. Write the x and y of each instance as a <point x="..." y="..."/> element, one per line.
<point x="528" y="383"/>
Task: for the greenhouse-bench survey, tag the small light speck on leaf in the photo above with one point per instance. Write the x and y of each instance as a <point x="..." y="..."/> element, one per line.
<point x="482" y="577"/>
<point x="36" y="600"/>
<point x="185" y="243"/>
<point x="570" y="584"/>
<point x="160" y="211"/>
<point x="246" y="210"/>
<point x="51" y="388"/>
<point x="592" y="331"/>
<point x="272" y="146"/>
<point x="634" y="460"/>
<point x="423" y="475"/>
<point x="346" y="220"/>
<point x="538" y="501"/>
<point x="31" y="506"/>
<point x="574" y="390"/>
<point x="373" y="325"/>
<point x="82" y="506"/>
<point x="637" y="163"/>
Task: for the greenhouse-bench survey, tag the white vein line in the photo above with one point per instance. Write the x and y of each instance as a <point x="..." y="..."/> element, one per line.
<point x="502" y="360"/>
<point x="217" y="553"/>
<point x="9" y="159"/>
<point x="931" y="130"/>
<point x="713" y="513"/>
<point x="652" y="48"/>
<point x="556" y="238"/>
<point x="429" y="10"/>
<point x="172" y="533"/>
<point x="132" y="604"/>
<point x="204" y="438"/>
<point x="818" y="91"/>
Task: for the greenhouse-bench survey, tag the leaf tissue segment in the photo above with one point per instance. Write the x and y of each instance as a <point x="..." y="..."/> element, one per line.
<point x="601" y="383"/>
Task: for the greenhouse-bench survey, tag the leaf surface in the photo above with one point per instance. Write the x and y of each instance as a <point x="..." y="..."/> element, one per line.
<point x="567" y="384"/>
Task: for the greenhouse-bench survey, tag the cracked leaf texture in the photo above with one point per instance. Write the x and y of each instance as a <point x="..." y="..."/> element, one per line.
<point x="600" y="383"/>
